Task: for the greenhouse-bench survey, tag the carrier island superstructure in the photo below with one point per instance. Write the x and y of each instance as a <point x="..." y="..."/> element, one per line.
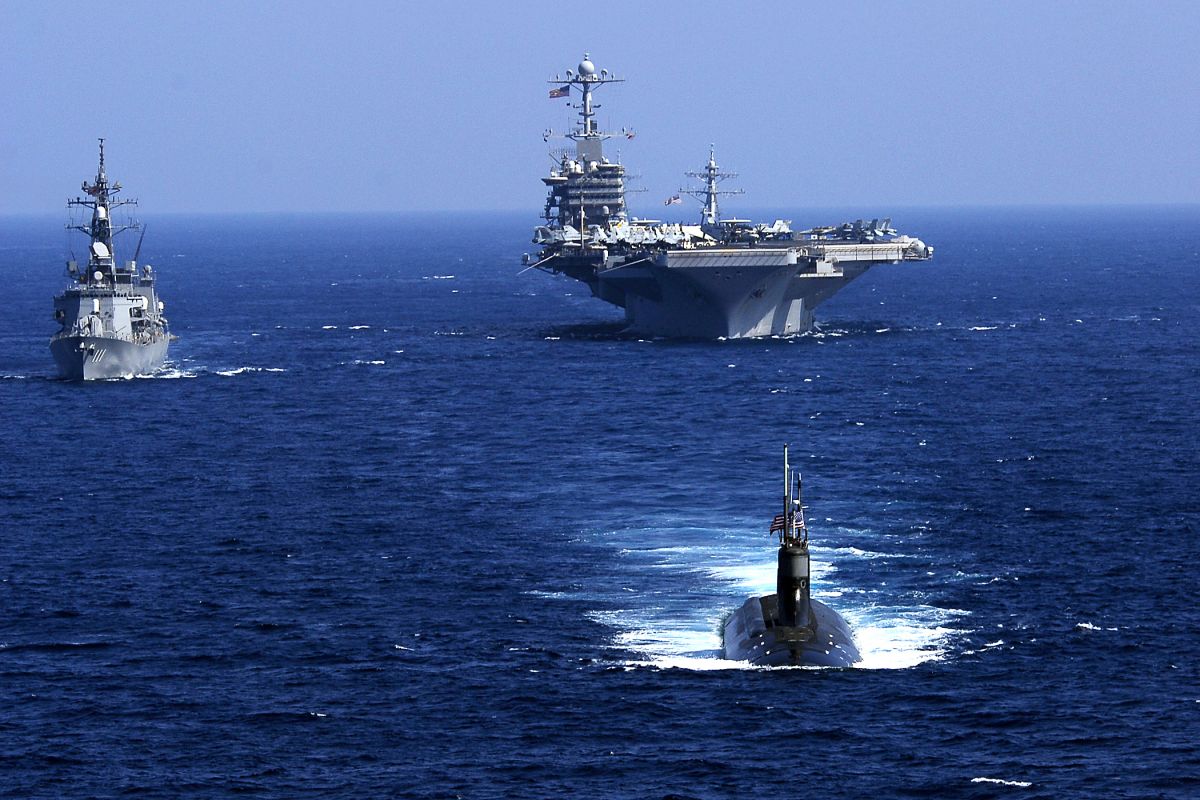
<point x="719" y="278"/>
<point x="110" y="315"/>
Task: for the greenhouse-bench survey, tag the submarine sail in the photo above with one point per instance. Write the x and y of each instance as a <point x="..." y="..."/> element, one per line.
<point x="789" y="628"/>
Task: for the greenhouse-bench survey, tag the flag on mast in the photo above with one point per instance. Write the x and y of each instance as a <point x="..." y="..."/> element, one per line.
<point x="562" y="91"/>
<point x="673" y="201"/>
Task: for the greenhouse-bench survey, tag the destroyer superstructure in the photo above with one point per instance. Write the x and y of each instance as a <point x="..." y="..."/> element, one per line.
<point x="110" y="315"/>
<point x="719" y="278"/>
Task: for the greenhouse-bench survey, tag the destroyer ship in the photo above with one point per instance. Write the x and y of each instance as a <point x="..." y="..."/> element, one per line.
<point x="727" y="278"/>
<point x="110" y="315"/>
<point x="789" y="628"/>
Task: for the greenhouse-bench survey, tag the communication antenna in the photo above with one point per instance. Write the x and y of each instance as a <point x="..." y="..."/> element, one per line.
<point x="138" y="251"/>
<point x="712" y="177"/>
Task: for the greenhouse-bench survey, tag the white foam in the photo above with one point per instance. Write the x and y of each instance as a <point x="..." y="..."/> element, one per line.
<point x="229" y="373"/>
<point x="703" y="664"/>
<point x="685" y="632"/>
<point x="171" y="373"/>
<point x="890" y="638"/>
<point x="759" y="578"/>
<point x="983" y="328"/>
<point x="1002" y="782"/>
<point x="697" y="640"/>
<point x="693" y="664"/>
<point x="856" y="552"/>
<point x="329" y="327"/>
<point x="1087" y="626"/>
<point x="359" y="327"/>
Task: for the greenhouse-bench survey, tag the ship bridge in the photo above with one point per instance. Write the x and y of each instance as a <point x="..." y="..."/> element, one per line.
<point x="585" y="188"/>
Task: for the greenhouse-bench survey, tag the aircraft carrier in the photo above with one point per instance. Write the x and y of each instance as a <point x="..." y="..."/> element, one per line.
<point x="719" y="278"/>
<point x="110" y="317"/>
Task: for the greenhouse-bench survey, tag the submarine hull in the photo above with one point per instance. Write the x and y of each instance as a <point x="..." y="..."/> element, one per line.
<point x="752" y="633"/>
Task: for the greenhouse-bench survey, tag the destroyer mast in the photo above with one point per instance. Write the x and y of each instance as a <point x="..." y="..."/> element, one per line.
<point x="710" y="216"/>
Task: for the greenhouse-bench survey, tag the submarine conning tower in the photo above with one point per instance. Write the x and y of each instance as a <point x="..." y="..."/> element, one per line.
<point x="792" y="576"/>
<point x="789" y="628"/>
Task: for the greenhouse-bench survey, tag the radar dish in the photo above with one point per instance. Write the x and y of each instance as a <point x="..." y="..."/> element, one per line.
<point x="100" y="249"/>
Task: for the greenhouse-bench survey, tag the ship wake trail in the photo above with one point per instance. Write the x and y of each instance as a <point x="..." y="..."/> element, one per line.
<point x="175" y="372"/>
<point x="667" y="608"/>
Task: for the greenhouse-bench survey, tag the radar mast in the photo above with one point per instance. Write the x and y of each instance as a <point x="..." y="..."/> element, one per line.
<point x="712" y="176"/>
<point x="587" y="80"/>
<point x="101" y="230"/>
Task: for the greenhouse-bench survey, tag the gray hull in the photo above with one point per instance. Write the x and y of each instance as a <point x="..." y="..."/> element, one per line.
<point x="825" y="642"/>
<point x="711" y="301"/>
<point x="720" y="294"/>
<point x="86" y="358"/>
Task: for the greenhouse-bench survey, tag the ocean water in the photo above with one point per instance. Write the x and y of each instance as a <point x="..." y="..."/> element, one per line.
<point x="399" y="522"/>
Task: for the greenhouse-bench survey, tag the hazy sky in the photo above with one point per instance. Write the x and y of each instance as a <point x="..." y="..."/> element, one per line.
<point x="293" y="106"/>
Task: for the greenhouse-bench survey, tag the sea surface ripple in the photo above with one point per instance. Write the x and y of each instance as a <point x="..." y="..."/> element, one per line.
<point x="396" y="521"/>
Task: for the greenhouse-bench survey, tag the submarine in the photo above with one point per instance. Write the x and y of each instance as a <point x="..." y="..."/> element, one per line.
<point x="789" y="628"/>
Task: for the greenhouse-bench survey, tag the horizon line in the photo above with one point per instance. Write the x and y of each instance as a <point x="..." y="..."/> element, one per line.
<point x="757" y="209"/>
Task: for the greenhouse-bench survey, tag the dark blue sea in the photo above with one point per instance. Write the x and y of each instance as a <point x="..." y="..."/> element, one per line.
<point x="399" y="522"/>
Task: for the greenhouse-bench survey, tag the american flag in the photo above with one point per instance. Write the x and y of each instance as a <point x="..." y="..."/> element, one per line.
<point x="562" y="91"/>
<point x="778" y="524"/>
<point x="673" y="201"/>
